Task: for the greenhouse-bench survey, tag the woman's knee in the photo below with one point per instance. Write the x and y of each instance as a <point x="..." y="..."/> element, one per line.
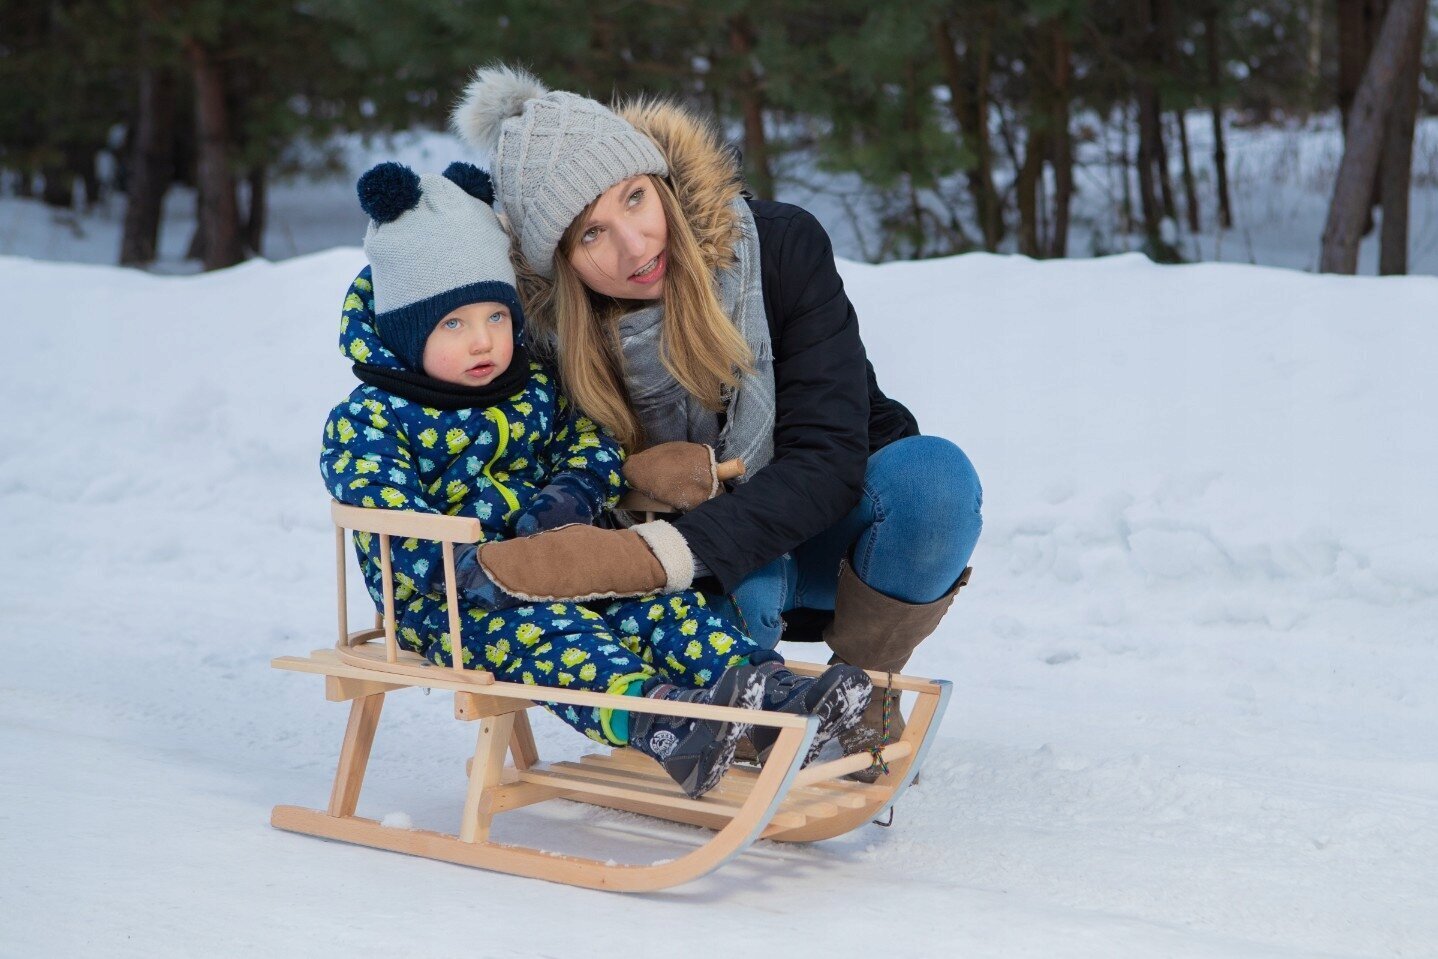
<point x="759" y="603"/>
<point x="926" y="474"/>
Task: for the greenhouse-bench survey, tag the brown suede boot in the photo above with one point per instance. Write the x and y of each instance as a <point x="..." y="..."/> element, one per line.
<point x="879" y="633"/>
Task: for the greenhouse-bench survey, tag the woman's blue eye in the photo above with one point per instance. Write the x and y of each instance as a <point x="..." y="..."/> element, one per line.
<point x="590" y="235"/>
<point x="636" y="196"/>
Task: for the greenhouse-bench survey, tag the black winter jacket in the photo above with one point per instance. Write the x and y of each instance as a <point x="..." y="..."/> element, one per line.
<point x="830" y="413"/>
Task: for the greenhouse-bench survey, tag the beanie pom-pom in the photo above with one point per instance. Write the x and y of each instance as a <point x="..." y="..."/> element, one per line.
<point x="495" y="94"/>
<point x="388" y="191"/>
<point x="472" y="180"/>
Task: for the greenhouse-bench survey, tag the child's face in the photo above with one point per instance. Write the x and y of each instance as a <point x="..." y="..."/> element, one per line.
<point x="471" y="346"/>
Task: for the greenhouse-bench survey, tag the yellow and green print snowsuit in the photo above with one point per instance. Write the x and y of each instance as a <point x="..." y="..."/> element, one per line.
<point x="382" y="451"/>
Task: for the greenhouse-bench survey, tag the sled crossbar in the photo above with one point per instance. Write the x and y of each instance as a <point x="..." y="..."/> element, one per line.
<point x="779" y="801"/>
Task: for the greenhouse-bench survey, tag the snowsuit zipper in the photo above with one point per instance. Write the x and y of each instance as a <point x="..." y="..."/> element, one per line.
<point x="501" y="423"/>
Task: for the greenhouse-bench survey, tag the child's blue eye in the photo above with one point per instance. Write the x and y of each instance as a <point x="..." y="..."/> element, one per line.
<point x="499" y="317"/>
<point x="451" y="324"/>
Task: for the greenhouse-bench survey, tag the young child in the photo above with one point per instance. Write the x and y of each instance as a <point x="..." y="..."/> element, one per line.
<point x="452" y="416"/>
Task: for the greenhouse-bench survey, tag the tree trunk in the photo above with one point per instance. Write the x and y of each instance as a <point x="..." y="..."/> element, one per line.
<point x="219" y="220"/>
<point x="1396" y="164"/>
<point x="1353" y="188"/>
<point x="82" y="161"/>
<point x="1125" y="177"/>
<point x="751" y="98"/>
<point x="1190" y="191"/>
<point x="59" y="188"/>
<point x="1357" y="28"/>
<point x="1146" y="105"/>
<point x="1358" y="25"/>
<point x="151" y="167"/>
<point x="1161" y="29"/>
<point x="1061" y="155"/>
<point x="1215" y="88"/>
<point x="256" y="214"/>
<point x="1313" y="68"/>
<point x="968" y="104"/>
<point x="1026" y="192"/>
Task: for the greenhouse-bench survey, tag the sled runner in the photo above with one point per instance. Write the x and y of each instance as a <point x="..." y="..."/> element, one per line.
<point x="780" y="801"/>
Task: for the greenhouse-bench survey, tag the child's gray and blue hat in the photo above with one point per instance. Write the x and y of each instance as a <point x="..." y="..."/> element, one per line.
<point x="434" y="244"/>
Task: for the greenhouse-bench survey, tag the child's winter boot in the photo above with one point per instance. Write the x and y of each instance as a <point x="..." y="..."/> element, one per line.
<point x="696" y="752"/>
<point x="838" y="697"/>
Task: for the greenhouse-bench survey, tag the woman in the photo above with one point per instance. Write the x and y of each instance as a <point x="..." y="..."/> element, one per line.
<point x="680" y="312"/>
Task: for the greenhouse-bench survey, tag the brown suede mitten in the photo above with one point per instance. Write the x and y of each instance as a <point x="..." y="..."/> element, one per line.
<point x="582" y="563"/>
<point x="679" y="474"/>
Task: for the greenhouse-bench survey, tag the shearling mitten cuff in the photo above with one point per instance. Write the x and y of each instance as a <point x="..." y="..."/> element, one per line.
<point x="678" y="474"/>
<point x="581" y="563"/>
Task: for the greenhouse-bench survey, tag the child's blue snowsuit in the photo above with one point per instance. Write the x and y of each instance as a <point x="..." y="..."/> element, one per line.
<point x="383" y="451"/>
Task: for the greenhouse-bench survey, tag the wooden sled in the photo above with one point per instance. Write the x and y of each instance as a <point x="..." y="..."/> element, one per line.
<point x="780" y="801"/>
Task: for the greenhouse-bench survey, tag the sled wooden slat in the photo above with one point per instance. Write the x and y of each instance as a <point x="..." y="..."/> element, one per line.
<point x="796" y="803"/>
<point x="891" y="753"/>
<point x="354" y="754"/>
<point x="407" y="523"/>
<point x="521" y="743"/>
<point x="339" y="689"/>
<point x="391" y="644"/>
<point x="572" y="777"/>
<point x="484" y="775"/>
<point x="636" y="761"/>
<point x="780" y="801"/>
<point x="729" y="790"/>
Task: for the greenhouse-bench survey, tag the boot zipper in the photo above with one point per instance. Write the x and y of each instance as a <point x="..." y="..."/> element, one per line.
<point x="501" y="424"/>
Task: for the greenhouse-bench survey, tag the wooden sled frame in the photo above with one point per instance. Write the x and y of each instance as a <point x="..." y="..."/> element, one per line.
<point x="779" y="801"/>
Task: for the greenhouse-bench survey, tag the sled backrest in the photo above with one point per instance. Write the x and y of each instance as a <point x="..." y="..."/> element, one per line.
<point x="447" y="531"/>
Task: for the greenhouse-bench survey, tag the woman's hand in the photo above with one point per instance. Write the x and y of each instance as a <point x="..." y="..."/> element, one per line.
<point x="576" y="563"/>
<point x="680" y="475"/>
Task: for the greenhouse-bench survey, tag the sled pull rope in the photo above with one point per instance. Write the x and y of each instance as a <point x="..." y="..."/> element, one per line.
<point x="878" y="751"/>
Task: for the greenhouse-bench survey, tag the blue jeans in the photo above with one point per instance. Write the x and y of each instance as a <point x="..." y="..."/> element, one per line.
<point x="909" y="537"/>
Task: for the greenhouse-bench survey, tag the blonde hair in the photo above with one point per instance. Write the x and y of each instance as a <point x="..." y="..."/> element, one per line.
<point x="699" y="344"/>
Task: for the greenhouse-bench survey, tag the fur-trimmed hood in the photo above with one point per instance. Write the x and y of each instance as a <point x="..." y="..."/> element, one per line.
<point x="703" y="170"/>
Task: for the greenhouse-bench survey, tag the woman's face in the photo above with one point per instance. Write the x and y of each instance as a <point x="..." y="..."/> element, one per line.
<point x="623" y="240"/>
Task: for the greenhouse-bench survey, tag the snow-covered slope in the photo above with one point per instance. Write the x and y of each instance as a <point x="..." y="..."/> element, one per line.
<point x="1194" y="710"/>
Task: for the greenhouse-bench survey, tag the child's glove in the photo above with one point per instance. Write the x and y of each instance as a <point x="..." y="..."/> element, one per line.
<point x="569" y="498"/>
<point x="474" y="583"/>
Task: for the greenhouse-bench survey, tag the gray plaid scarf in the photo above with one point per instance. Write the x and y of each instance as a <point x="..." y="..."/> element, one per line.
<point x="666" y="410"/>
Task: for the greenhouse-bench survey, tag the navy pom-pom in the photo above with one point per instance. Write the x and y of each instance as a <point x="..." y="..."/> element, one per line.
<point x="388" y="191"/>
<point x="472" y="180"/>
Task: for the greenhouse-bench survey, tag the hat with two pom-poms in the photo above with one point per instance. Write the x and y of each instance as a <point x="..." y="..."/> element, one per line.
<point x="434" y="244"/>
<point x="552" y="153"/>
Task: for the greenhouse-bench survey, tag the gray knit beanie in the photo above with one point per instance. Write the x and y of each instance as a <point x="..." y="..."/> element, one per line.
<point x="551" y="153"/>
<point x="434" y="244"/>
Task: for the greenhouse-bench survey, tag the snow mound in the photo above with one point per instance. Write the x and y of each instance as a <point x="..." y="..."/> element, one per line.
<point x="1193" y="710"/>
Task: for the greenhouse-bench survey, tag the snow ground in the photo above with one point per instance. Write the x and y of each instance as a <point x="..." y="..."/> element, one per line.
<point x="1194" y="707"/>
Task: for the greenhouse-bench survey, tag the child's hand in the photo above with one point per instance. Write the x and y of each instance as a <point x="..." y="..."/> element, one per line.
<point x="475" y="584"/>
<point x="567" y="499"/>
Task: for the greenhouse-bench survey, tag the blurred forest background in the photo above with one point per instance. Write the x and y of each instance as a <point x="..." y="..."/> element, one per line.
<point x="955" y="126"/>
